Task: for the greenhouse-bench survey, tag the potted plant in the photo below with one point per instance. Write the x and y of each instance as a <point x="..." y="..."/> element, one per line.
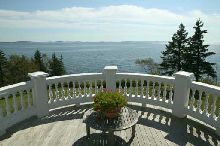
<point x="109" y="103"/>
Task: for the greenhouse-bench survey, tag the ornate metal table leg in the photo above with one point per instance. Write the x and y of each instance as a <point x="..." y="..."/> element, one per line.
<point x="133" y="130"/>
<point x="88" y="131"/>
<point x="111" y="140"/>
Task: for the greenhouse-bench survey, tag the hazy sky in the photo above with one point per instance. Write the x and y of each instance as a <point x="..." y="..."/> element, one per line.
<point x="105" y="20"/>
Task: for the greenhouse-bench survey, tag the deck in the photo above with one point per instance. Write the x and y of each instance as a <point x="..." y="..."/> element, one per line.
<point x="64" y="127"/>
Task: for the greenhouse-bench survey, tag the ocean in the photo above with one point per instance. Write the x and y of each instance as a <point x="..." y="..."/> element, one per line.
<point x="83" y="57"/>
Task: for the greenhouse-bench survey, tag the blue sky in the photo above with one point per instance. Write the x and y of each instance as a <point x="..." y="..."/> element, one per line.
<point x="109" y="20"/>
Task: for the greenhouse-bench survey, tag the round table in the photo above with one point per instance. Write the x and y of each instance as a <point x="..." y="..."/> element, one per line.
<point x="127" y="119"/>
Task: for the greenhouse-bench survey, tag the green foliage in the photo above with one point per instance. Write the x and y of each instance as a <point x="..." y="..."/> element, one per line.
<point x="107" y="101"/>
<point x="18" y="68"/>
<point x="56" y="66"/>
<point x="3" y="63"/>
<point x="149" y="65"/>
<point x="197" y="53"/>
<point x="188" y="54"/>
<point x="173" y="58"/>
<point x="38" y="60"/>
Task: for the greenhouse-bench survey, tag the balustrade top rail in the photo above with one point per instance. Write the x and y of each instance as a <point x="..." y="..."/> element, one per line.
<point x="81" y="76"/>
<point x="140" y="76"/>
<point x="15" y="87"/>
<point x="206" y="87"/>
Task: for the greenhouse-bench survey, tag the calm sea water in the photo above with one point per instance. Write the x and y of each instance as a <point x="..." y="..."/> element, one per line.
<point x="81" y="57"/>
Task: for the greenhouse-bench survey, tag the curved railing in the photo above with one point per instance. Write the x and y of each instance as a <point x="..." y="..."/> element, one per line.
<point x="147" y="89"/>
<point x="204" y="103"/>
<point x="16" y="104"/>
<point x="73" y="89"/>
<point x="180" y="94"/>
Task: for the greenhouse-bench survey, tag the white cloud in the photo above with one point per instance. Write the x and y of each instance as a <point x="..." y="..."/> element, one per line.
<point x="122" y="17"/>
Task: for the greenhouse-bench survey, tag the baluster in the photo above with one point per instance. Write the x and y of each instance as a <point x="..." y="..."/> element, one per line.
<point x="79" y="90"/>
<point x="136" y="89"/>
<point x="147" y="89"/>
<point x="84" y="88"/>
<point x="90" y="89"/>
<point x="7" y="106"/>
<point x="130" y="89"/>
<point x="96" y="91"/>
<point x="153" y="91"/>
<point x="142" y="89"/>
<point x="171" y="93"/>
<point x="57" y="92"/>
<point x="119" y="88"/>
<point x="159" y="90"/>
<point x="164" y="91"/>
<point x="125" y="88"/>
<point x="68" y="91"/>
<point x="63" y="92"/>
<point x="50" y="94"/>
<point x="101" y="87"/>
<point x="74" y="90"/>
<point x="214" y="106"/>
<point x="29" y="98"/>
<point x="199" y="102"/>
<point x="22" y="100"/>
<point x="192" y="99"/>
<point x="206" y="104"/>
<point x="15" y="103"/>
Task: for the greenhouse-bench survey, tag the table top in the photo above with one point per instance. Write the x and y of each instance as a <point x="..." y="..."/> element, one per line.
<point x="127" y="118"/>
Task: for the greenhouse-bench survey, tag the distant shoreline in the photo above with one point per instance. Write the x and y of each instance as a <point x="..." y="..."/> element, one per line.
<point x="81" y="41"/>
<point x="161" y="42"/>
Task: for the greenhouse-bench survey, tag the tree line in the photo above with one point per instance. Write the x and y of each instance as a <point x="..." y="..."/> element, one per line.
<point x="183" y="52"/>
<point x="15" y="68"/>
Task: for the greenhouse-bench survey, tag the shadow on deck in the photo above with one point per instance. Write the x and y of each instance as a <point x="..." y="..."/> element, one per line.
<point x="64" y="127"/>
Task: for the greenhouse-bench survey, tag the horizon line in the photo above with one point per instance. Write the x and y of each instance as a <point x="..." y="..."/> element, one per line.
<point x="90" y="42"/>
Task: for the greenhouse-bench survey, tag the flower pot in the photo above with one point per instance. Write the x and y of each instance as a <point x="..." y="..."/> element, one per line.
<point x="112" y="113"/>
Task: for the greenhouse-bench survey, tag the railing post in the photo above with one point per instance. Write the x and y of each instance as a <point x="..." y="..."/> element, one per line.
<point x="217" y="131"/>
<point x="40" y="99"/>
<point x="2" y="123"/>
<point x="181" y="93"/>
<point x="110" y="76"/>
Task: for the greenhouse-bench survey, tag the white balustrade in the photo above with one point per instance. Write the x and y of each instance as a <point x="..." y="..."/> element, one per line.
<point x="79" y="92"/>
<point x="142" y="88"/>
<point x="180" y="94"/>
<point x="206" y="95"/>
<point x="170" y="94"/>
<point x="136" y="89"/>
<point x="147" y="88"/>
<point x="125" y="88"/>
<point x="14" y="111"/>
<point x="74" y="90"/>
<point x="130" y="88"/>
<point x="164" y="91"/>
<point x="15" y="104"/>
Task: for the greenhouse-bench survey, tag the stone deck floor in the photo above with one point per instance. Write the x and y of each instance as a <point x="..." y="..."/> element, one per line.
<point x="64" y="127"/>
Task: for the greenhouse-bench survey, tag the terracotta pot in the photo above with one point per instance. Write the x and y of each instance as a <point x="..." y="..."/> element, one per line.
<point x="112" y="113"/>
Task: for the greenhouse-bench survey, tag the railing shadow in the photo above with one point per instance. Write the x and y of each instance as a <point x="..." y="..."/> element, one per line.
<point x="62" y="114"/>
<point x="101" y="139"/>
<point x="180" y="131"/>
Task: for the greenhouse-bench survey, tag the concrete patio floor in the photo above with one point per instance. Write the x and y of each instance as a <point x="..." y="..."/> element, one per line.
<point x="65" y="127"/>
